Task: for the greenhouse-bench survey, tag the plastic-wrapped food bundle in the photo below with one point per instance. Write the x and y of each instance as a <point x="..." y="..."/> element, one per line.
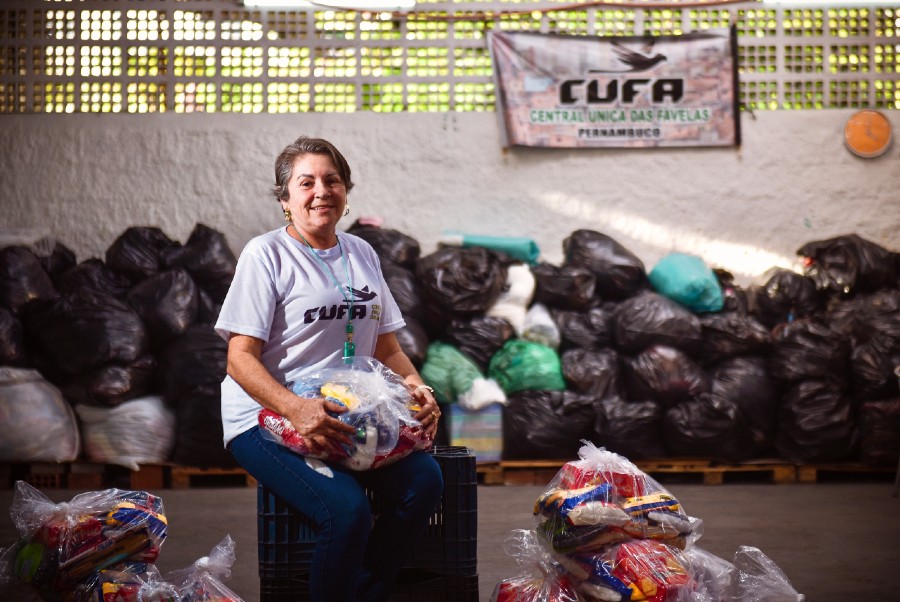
<point x="603" y="499"/>
<point x="204" y="581"/>
<point x="36" y="423"/>
<point x="63" y="545"/>
<point x="378" y="407"/>
<point x="133" y="582"/>
<point x="542" y="578"/>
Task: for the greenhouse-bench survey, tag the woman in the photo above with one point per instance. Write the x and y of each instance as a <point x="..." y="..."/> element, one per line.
<point x="305" y="297"/>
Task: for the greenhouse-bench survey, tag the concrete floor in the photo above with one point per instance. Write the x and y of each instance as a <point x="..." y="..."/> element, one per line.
<point x="834" y="541"/>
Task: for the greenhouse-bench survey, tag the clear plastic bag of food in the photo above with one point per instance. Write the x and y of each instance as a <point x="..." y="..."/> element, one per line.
<point x="133" y="582"/>
<point x="380" y="408"/>
<point x="603" y="499"/>
<point x="542" y="579"/>
<point x="636" y="569"/>
<point x="61" y="545"/>
<point x="204" y="581"/>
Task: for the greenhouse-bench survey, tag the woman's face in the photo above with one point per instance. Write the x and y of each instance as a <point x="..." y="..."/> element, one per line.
<point x="317" y="198"/>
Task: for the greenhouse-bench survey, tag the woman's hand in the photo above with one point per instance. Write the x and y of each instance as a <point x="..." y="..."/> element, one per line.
<point x="324" y="434"/>
<point x="429" y="413"/>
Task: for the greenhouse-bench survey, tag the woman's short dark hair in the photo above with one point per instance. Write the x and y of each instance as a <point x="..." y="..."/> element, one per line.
<point x="304" y="145"/>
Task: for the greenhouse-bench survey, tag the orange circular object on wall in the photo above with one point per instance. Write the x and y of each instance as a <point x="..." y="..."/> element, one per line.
<point x="867" y="133"/>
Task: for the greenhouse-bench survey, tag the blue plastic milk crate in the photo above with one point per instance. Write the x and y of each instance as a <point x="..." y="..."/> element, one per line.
<point x="445" y="561"/>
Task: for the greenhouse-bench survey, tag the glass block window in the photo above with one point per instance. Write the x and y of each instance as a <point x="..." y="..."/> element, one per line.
<point x="187" y="56"/>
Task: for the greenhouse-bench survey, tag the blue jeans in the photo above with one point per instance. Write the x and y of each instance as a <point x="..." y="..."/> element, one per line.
<point x="354" y="559"/>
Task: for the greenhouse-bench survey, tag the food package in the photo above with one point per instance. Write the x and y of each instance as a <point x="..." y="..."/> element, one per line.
<point x="133" y="582"/>
<point x="63" y="544"/>
<point x="603" y="499"/>
<point x="380" y="408"/>
<point x="542" y="579"/>
<point x="204" y="581"/>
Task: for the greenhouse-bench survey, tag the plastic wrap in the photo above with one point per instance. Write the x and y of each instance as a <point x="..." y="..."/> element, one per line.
<point x="62" y="545"/>
<point x="204" y="581"/>
<point x="542" y="579"/>
<point x="758" y="579"/>
<point x="379" y="409"/>
<point x="140" y="431"/>
<point x="133" y="582"/>
<point x="603" y="499"/>
<point x="36" y="423"/>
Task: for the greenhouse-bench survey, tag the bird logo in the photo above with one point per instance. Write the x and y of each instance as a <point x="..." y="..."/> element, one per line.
<point x="634" y="60"/>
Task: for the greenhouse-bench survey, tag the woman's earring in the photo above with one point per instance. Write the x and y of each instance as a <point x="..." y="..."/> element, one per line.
<point x="346" y="209"/>
<point x="287" y="215"/>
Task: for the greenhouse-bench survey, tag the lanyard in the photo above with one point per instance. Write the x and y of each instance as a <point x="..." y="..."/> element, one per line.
<point x="349" y="345"/>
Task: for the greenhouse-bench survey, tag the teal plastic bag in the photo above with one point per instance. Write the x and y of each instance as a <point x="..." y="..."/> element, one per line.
<point x="522" y="365"/>
<point x="448" y="371"/>
<point x="523" y="249"/>
<point x="687" y="280"/>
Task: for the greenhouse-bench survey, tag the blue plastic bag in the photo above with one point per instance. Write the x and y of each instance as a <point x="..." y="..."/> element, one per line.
<point x="687" y="280"/>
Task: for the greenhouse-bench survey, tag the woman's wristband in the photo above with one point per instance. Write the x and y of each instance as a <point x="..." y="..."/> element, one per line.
<point x="423" y="388"/>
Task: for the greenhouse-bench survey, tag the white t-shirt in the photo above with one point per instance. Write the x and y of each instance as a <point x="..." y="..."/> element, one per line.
<point x="283" y="295"/>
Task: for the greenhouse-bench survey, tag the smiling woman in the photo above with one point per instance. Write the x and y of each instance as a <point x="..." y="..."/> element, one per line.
<point x="279" y="328"/>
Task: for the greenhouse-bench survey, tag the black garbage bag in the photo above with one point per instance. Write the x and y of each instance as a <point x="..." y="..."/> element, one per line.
<point x="93" y="274"/>
<point x="586" y="329"/>
<point x="879" y="432"/>
<point x="199" y="437"/>
<point x="864" y="316"/>
<point x="403" y="286"/>
<point x="651" y="319"/>
<point x="734" y="297"/>
<point x="872" y="367"/>
<point x="563" y="287"/>
<point x="391" y="245"/>
<point x="708" y="427"/>
<point x="619" y="273"/>
<point x="207" y="309"/>
<point x="12" y="340"/>
<point x="414" y="341"/>
<point x="167" y="302"/>
<point x="745" y="381"/>
<point x="78" y="333"/>
<point x="664" y="375"/>
<point x="22" y="279"/>
<point x="783" y="297"/>
<point x="630" y="428"/>
<point x="808" y="349"/>
<point x="479" y="337"/>
<point x="849" y="264"/>
<point x="461" y="282"/>
<point x="195" y="360"/>
<point x="112" y="384"/>
<point x="593" y="372"/>
<point x="546" y="424"/>
<point x="208" y="259"/>
<point x="730" y="334"/>
<point x="141" y="251"/>
<point x="815" y="423"/>
<point x="60" y="260"/>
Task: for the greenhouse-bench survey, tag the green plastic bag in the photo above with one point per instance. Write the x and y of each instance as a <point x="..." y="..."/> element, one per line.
<point x="687" y="280"/>
<point x="448" y="371"/>
<point x="521" y="248"/>
<point x="522" y="365"/>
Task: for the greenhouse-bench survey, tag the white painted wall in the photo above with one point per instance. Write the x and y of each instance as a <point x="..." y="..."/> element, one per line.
<point x="85" y="178"/>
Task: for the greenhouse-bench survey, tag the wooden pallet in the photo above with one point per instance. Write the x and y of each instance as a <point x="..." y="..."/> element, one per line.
<point x="541" y="472"/>
<point x="815" y="473"/>
<point x="183" y="477"/>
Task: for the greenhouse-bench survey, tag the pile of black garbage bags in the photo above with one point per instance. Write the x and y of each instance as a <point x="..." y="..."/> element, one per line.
<point x="799" y="366"/>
